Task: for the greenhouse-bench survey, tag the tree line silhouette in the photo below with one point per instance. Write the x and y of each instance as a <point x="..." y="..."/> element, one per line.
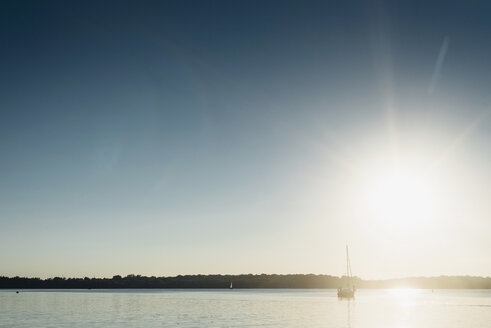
<point x="241" y="281"/>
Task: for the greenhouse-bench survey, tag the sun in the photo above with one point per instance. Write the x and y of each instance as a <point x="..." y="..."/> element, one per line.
<point x="401" y="195"/>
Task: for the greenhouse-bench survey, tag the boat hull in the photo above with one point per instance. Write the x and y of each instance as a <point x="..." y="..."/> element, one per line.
<point x="346" y="293"/>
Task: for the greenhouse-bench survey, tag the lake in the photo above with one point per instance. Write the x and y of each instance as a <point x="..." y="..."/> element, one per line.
<point x="398" y="308"/>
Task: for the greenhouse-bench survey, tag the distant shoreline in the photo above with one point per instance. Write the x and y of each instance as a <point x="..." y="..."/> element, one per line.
<point x="244" y="281"/>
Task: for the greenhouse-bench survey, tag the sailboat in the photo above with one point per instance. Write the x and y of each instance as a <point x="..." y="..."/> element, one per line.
<point x="349" y="290"/>
<point x="231" y="287"/>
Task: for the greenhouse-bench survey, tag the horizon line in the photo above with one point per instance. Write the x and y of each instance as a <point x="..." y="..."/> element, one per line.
<point x="247" y="274"/>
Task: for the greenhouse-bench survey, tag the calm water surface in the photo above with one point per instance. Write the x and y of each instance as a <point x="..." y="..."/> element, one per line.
<point x="244" y="308"/>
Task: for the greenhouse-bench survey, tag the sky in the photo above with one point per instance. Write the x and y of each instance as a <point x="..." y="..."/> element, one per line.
<point x="202" y="137"/>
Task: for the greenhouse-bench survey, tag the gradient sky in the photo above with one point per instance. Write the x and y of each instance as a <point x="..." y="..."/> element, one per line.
<point x="189" y="137"/>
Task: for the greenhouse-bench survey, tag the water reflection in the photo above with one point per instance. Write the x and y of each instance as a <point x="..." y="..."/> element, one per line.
<point x="349" y="312"/>
<point x="400" y="308"/>
<point x="404" y="293"/>
<point x="350" y="304"/>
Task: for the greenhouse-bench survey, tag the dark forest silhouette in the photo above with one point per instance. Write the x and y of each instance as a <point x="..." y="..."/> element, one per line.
<point x="243" y="281"/>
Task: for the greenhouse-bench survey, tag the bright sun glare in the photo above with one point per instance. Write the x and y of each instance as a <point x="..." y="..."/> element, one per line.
<point x="399" y="195"/>
<point x="404" y="293"/>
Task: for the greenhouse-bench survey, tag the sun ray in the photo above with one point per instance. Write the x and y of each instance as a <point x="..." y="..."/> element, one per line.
<point x="459" y="139"/>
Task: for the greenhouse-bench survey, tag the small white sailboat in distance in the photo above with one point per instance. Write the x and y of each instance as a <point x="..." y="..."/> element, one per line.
<point x="349" y="290"/>
<point x="231" y="287"/>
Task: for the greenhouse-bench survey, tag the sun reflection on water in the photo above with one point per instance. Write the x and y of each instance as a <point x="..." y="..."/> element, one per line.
<point x="404" y="297"/>
<point x="404" y="293"/>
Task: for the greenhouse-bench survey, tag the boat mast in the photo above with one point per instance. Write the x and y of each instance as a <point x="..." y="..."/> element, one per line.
<point x="348" y="267"/>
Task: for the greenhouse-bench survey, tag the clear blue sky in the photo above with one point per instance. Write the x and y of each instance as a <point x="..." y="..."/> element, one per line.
<point x="184" y="137"/>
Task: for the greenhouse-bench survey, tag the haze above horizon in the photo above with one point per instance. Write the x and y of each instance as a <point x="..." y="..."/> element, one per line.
<point x="229" y="137"/>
